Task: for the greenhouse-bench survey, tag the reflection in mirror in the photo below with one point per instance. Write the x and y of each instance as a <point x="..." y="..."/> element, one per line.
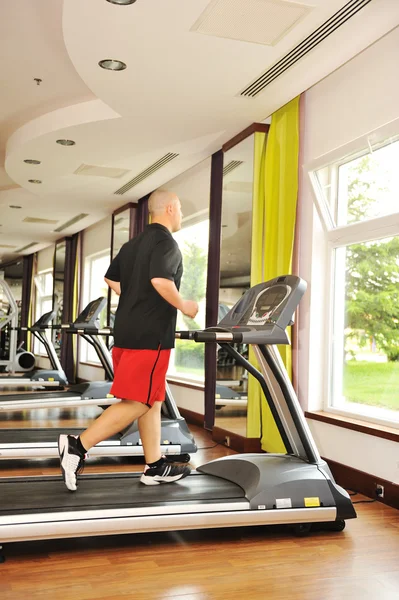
<point x="192" y="187"/>
<point x="13" y="275"/>
<point x="44" y="286"/>
<point x="235" y="273"/>
<point x="58" y="291"/>
<point x="120" y="235"/>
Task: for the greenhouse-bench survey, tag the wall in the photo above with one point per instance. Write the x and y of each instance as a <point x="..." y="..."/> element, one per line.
<point x="45" y="259"/>
<point x="354" y="100"/>
<point x="188" y="398"/>
<point x="97" y="237"/>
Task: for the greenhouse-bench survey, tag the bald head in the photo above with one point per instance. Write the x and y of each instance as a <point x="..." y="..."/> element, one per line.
<point x="165" y="208"/>
<point x="159" y="202"/>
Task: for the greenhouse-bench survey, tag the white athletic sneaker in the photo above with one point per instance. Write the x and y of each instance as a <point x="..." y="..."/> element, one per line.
<point x="166" y="473"/>
<point x="71" y="461"/>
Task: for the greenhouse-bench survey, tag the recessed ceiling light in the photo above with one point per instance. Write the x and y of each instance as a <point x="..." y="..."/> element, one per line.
<point x="34" y="180"/>
<point x="32" y="161"/>
<point x="66" y="142"/>
<point x="15" y="206"/>
<point x="112" y="65"/>
<point x="121" y="2"/>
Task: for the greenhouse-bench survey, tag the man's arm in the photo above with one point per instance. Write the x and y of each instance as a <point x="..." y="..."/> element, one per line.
<point x="114" y="285"/>
<point x="169" y="292"/>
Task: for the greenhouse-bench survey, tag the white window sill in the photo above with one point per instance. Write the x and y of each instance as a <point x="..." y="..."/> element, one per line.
<point x="356" y="424"/>
<point x="369" y="414"/>
<point x="190" y="382"/>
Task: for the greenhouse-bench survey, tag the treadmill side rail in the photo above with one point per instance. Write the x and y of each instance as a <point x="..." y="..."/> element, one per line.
<point x="112" y="522"/>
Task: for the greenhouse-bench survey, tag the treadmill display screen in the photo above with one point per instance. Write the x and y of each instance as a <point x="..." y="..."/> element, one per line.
<point x="267" y="302"/>
<point x="91" y="312"/>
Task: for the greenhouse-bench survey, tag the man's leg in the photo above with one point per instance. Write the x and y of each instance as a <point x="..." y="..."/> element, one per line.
<point x="158" y="469"/>
<point x="111" y="421"/>
<point x="150" y="433"/>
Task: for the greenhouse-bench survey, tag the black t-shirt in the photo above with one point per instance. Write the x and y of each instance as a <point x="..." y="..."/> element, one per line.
<point x="143" y="318"/>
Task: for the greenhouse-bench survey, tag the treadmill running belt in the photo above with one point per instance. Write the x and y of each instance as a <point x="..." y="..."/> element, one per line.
<point x="32" y="436"/>
<point x="102" y="492"/>
<point x="43" y="435"/>
<point x="38" y="395"/>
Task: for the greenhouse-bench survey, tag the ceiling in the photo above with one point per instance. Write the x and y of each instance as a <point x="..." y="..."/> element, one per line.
<point x="179" y="95"/>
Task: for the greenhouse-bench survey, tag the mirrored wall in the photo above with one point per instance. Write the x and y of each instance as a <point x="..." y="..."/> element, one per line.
<point x="235" y="274"/>
<point x="192" y="187"/>
<point x="122" y="232"/>
<point x="58" y="291"/>
<point x="13" y="275"/>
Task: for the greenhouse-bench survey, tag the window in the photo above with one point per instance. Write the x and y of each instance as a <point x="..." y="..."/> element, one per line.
<point x="96" y="266"/>
<point x="360" y="196"/>
<point x="44" y="304"/>
<point x="188" y="357"/>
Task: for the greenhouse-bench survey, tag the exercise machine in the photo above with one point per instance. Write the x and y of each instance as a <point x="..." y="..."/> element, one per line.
<point x="294" y="488"/>
<point x="94" y="392"/>
<point x="54" y="377"/>
<point x="13" y="358"/>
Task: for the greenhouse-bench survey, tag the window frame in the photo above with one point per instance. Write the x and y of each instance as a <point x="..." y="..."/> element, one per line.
<point x="339" y="236"/>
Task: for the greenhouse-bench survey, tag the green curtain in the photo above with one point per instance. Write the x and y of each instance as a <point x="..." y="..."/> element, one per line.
<point x="275" y="191"/>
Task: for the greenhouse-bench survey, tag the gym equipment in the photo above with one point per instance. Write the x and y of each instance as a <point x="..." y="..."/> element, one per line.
<point x="176" y="438"/>
<point x="295" y="488"/>
<point x="95" y="392"/>
<point x="18" y="360"/>
<point x="54" y="377"/>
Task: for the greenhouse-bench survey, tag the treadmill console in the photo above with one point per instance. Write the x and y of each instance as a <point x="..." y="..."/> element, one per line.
<point x="89" y="316"/>
<point x="266" y="305"/>
<point x="44" y="321"/>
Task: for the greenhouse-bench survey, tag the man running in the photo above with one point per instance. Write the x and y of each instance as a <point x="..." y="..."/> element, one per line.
<point x="146" y="274"/>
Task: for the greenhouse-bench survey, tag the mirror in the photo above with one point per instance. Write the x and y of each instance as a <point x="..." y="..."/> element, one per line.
<point x="192" y="187"/>
<point x="235" y="274"/>
<point x="13" y="274"/>
<point x="121" y="233"/>
<point x="58" y="290"/>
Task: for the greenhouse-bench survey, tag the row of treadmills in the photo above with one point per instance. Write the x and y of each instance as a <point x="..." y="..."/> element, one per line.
<point x="294" y="488"/>
<point x="42" y="443"/>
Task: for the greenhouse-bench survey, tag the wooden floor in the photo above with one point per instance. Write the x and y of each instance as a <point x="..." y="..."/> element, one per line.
<point x="361" y="563"/>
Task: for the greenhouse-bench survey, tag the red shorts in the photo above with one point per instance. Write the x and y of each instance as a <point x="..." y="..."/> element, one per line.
<point x="140" y="375"/>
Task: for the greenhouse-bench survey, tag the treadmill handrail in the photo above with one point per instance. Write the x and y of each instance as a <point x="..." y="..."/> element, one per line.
<point x="260" y="378"/>
<point x="41" y="335"/>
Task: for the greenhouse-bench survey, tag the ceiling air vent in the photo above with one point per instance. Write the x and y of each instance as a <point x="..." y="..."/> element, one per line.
<point x="255" y="21"/>
<point x="6" y="246"/>
<point x="94" y="171"/>
<point x="314" y="39"/>
<point x="27" y="247"/>
<point x="71" y="222"/>
<point x="38" y="220"/>
<point x="233" y="164"/>
<point x="146" y="173"/>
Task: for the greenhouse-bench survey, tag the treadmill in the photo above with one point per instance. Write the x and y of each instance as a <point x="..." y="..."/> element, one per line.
<point x="295" y="488"/>
<point x="176" y="438"/>
<point x="54" y="377"/>
<point x="95" y="392"/>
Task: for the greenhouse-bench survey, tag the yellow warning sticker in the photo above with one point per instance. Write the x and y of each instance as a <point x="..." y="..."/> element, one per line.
<point x="312" y="502"/>
<point x="217" y="396"/>
<point x="51" y="379"/>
